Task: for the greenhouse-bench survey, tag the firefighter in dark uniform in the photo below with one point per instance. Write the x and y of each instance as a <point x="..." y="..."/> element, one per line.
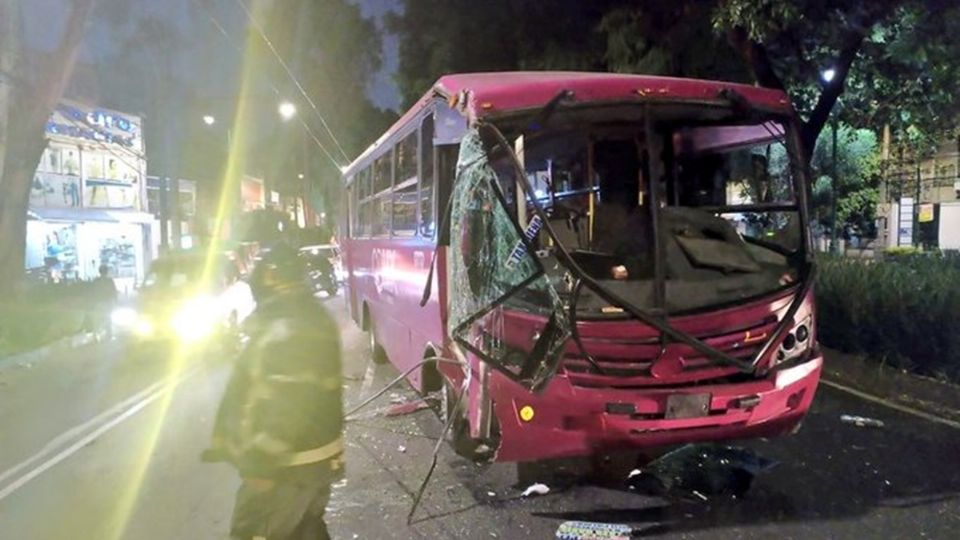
<point x="281" y="420"/>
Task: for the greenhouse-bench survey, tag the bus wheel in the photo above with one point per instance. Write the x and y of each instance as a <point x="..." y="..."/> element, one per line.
<point x="379" y="355"/>
<point x="459" y="433"/>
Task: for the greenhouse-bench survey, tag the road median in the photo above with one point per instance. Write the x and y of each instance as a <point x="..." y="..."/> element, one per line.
<point x="898" y="386"/>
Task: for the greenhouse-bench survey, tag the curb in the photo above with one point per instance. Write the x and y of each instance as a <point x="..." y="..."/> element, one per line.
<point x="46" y="351"/>
<point x="930" y="396"/>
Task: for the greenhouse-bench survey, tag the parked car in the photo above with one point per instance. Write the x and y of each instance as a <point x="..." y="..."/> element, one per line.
<point x="324" y="267"/>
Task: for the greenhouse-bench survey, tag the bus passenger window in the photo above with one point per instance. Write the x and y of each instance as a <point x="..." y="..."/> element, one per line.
<point x="426" y="178"/>
<point x="363" y="208"/>
<point x="381" y="207"/>
<point x="405" y="188"/>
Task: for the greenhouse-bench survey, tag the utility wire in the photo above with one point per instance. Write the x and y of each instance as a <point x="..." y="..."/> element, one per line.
<point x="290" y="74"/>
<point x="276" y="91"/>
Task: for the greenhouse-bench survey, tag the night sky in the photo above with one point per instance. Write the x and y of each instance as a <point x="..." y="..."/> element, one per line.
<point x="43" y="24"/>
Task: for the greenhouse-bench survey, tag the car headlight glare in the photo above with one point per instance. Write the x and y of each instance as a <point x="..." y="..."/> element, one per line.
<point x="143" y="328"/>
<point x="124" y="316"/>
<point x="195" y="320"/>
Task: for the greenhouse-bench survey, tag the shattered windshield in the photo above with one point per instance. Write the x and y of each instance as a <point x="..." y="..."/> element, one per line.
<point x="721" y="193"/>
<point x="492" y="268"/>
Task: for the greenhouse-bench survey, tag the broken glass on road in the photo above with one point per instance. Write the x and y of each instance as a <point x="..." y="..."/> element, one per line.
<point x="701" y="469"/>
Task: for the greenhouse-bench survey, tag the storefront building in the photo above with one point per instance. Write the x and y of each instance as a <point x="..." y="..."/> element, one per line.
<point x="87" y="198"/>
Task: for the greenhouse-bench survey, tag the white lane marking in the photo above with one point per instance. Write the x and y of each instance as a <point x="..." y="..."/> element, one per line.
<point x="75" y="431"/>
<point x="895" y="406"/>
<point x="94" y="435"/>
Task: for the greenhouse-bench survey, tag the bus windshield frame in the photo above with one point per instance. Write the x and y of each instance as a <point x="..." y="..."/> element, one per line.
<point x="684" y="132"/>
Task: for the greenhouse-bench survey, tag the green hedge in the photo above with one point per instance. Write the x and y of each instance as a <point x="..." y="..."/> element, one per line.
<point x="904" y="310"/>
<point x="42" y="314"/>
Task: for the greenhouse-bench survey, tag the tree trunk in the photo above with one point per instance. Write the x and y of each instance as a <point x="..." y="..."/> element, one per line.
<point x="27" y="110"/>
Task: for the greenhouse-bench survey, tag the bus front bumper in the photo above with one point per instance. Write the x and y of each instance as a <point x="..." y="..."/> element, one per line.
<point x="568" y="421"/>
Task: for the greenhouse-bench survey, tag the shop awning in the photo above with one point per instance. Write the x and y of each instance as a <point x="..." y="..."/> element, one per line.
<point x="88" y="214"/>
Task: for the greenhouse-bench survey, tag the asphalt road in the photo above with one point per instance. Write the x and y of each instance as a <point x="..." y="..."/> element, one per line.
<point x="103" y="444"/>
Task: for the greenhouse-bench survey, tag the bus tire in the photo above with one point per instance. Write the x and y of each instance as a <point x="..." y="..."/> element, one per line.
<point x="377" y="352"/>
<point x="458" y="436"/>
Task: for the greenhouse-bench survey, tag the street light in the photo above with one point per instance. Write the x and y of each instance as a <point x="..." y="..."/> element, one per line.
<point x="287" y="110"/>
<point x="209" y="120"/>
<point x="828" y="74"/>
<point x="300" y="176"/>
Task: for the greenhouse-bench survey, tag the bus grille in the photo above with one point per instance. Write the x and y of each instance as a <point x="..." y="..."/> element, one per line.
<point x="627" y="362"/>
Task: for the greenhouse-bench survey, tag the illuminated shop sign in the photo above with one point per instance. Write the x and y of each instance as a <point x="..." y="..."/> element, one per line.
<point x="94" y="125"/>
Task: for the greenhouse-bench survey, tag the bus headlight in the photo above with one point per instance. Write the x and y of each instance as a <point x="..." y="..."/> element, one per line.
<point x="124" y="316"/>
<point x="195" y="320"/>
<point x="797" y="342"/>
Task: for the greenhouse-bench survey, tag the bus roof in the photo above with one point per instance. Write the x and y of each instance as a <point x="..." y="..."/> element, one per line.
<point x="496" y="93"/>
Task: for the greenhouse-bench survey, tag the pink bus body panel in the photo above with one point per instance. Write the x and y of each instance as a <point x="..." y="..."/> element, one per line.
<point x="388" y="275"/>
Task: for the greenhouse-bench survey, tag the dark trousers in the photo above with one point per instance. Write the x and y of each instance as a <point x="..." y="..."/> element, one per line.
<point x="291" y="510"/>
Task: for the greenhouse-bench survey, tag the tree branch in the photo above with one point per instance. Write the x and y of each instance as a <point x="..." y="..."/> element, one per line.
<point x="756" y="57"/>
<point x="832" y="90"/>
<point x="60" y="69"/>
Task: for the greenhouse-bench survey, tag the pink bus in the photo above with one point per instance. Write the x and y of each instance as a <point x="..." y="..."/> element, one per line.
<point x="616" y="261"/>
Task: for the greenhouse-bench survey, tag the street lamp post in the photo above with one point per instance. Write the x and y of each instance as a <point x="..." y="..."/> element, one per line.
<point x="287" y="111"/>
<point x="833" y="191"/>
<point x="828" y="76"/>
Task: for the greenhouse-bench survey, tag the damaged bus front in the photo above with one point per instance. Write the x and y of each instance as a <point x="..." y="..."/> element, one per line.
<point x="627" y="271"/>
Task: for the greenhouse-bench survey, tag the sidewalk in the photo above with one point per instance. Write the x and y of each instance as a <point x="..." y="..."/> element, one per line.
<point x="48" y="350"/>
<point x="898" y="386"/>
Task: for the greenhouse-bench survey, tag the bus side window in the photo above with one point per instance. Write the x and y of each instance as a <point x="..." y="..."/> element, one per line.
<point x="427" y="221"/>
<point x="446" y="173"/>
<point x="405" y="187"/>
<point x="381" y="204"/>
<point x="351" y="209"/>
<point x="363" y="215"/>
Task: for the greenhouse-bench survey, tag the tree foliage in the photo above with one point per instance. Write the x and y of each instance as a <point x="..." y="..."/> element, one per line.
<point x="497" y="35"/>
<point x="333" y="52"/>
<point x="669" y="38"/>
<point x="892" y="60"/>
<point x="858" y="173"/>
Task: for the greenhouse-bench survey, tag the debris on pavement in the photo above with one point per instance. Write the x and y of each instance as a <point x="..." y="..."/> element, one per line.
<point x="536" y="489"/>
<point x="408" y="407"/>
<point x="402" y="449"/>
<point x="700" y="470"/>
<point x="589" y="530"/>
<point x="861" y="421"/>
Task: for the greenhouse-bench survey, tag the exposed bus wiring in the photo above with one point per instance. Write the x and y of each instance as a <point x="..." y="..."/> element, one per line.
<point x="451" y="416"/>
<point x="216" y="23"/>
<point x="263" y="36"/>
